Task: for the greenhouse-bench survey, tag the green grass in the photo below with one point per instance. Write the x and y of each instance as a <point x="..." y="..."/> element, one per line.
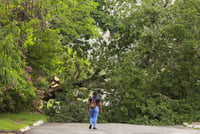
<point x="13" y="122"/>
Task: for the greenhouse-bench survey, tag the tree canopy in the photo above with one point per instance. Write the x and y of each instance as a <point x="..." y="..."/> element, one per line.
<point x="146" y="71"/>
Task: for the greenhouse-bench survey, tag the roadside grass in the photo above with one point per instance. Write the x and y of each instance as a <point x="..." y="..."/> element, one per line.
<point x="14" y="122"/>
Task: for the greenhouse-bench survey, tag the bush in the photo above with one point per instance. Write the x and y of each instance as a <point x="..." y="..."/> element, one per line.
<point x="63" y="109"/>
<point x="17" y="99"/>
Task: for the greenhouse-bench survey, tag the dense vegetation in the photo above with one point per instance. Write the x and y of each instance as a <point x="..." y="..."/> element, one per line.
<point x="148" y="68"/>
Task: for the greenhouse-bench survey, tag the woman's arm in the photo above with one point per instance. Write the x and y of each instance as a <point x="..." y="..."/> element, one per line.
<point x="100" y="105"/>
<point x="88" y="105"/>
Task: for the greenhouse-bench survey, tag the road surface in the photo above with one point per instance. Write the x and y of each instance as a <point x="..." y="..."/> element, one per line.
<point x="76" y="128"/>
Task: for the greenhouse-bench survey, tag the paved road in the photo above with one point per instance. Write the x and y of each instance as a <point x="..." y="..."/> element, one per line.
<point x="68" y="128"/>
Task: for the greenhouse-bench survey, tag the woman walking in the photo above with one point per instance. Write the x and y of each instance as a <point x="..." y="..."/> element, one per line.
<point x="94" y="104"/>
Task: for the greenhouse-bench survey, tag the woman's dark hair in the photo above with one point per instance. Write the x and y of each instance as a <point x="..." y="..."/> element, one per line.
<point x="95" y="93"/>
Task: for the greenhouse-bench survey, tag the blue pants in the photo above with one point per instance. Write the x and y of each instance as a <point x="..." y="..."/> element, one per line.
<point x="94" y="115"/>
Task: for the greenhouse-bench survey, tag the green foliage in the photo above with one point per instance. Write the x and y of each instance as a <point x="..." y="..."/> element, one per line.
<point x="13" y="77"/>
<point x="76" y="69"/>
<point x="9" y="55"/>
<point x="43" y="84"/>
<point x="150" y="61"/>
<point x="33" y="38"/>
<point x="152" y="64"/>
<point x="67" y="110"/>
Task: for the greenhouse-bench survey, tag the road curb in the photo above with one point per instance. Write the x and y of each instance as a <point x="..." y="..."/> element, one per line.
<point x="193" y="125"/>
<point x="28" y="128"/>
